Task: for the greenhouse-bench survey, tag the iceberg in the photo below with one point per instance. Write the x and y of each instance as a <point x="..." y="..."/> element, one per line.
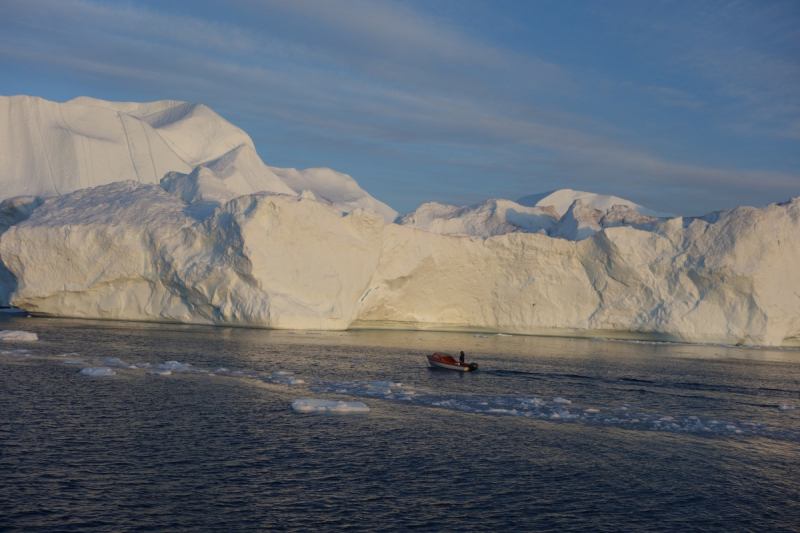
<point x="50" y="149"/>
<point x="164" y="212"/>
<point x="97" y="371"/>
<point x="23" y="336"/>
<point x="309" y="405"/>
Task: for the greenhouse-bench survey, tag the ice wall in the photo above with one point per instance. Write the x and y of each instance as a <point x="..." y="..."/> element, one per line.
<point x="128" y="251"/>
<point x="731" y="277"/>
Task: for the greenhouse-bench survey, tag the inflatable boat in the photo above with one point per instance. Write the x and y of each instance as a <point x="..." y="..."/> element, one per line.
<point x="446" y="361"/>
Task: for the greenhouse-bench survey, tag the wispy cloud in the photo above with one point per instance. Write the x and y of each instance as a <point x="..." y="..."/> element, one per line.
<point x="383" y="74"/>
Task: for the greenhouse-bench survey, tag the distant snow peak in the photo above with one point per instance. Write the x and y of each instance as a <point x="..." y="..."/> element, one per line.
<point x="498" y="217"/>
<point x="486" y="219"/>
<point x="562" y="199"/>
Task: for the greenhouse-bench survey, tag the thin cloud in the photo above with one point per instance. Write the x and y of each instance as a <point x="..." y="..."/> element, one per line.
<point x="372" y="74"/>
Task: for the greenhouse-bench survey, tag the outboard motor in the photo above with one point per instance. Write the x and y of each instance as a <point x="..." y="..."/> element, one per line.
<point x="473" y="367"/>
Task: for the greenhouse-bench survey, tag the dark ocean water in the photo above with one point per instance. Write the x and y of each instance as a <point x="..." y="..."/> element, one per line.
<point x="655" y="437"/>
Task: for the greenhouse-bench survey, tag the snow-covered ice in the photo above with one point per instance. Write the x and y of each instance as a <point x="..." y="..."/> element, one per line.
<point x="309" y="405"/>
<point x="160" y="372"/>
<point x="23" y="336"/>
<point x="75" y="362"/>
<point x="97" y="371"/>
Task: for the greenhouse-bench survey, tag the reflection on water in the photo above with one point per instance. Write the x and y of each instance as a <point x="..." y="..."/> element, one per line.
<point x="550" y="434"/>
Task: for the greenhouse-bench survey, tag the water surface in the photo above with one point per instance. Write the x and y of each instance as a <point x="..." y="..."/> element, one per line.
<point x="655" y="437"/>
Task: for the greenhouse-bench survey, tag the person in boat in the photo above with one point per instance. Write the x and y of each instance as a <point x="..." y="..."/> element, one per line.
<point x="461" y="358"/>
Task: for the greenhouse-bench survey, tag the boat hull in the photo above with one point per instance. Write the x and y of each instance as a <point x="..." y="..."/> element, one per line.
<point x="447" y="362"/>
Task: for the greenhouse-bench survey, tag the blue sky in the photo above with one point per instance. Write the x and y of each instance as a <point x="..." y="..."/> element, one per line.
<point x="685" y="107"/>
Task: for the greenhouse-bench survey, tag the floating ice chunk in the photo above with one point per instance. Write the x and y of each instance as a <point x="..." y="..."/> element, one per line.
<point x="310" y="405"/>
<point x="786" y="407"/>
<point x="222" y="370"/>
<point x="97" y="371"/>
<point x="385" y="384"/>
<point x="503" y="335"/>
<point x="111" y="361"/>
<point x="480" y="336"/>
<point x="294" y="381"/>
<point x="11" y="335"/>
<point x="15" y="353"/>
<point x="173" y="365"/>
<point x="591" y="411"/>
<point x="141" y="365"/>
<point x="282" y="373"/>
<point x="75" y="362"/>
<point x="71" y="354"/>
<point x="161" y="372"/>
<point x="559" y="399"/>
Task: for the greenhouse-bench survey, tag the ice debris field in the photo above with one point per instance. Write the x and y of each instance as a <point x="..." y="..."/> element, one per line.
<point x="555" y="409"/>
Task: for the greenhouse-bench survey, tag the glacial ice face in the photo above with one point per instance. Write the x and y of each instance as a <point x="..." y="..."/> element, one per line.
<point x="129" y="251"/>
<point x="731" y="280"/>
<point x="133" y="252"/>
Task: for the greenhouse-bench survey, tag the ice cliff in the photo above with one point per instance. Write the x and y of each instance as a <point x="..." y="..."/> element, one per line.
<point x="164" y="212"/>
<point x="49" y="148"/>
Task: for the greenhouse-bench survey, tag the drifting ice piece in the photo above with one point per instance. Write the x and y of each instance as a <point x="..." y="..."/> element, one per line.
<point x="309" y="405"/>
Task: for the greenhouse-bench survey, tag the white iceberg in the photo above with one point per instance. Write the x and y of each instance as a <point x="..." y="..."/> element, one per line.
<point x="173" y="365"/>
<point x="22" y="336"/>
<point x="97" y="371"/>
<point x="203" y="232"/>
<point x="309" y="405"/>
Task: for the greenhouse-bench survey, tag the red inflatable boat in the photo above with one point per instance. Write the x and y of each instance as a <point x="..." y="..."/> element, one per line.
<point x="443" y="360"/>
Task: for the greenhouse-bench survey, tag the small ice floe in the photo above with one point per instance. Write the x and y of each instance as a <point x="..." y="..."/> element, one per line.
<point x="111" y="361"/>
<point x="591" y="411"/>
<point x="294" y="381"/>
<point x="385" y="384"/>
<point x="71" y="354"/>
<point x="140" y="365"/>
<point x="75" y="362"/>
<point x="478" y="335"/>
<point x="97" y="371"/>
<point x="503" y="335"/>
<point x="222" y="370"/>
<point x="20" y="336"/>
<point x="15" y="353"/>
<point x="310" y="405"/>
<point x="282" y="373"/>
<point x="559" y="399"/>
<point x="160" y="372"/>
<point x="173" y="365"/>
<point x="786" y="407"/>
